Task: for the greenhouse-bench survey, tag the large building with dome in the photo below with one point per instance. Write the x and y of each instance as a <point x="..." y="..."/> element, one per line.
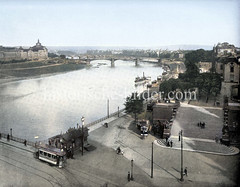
<point x="37" y="52"/>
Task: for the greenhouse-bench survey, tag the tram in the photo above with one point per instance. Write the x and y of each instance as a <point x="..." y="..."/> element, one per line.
<point x="51" y="155"/>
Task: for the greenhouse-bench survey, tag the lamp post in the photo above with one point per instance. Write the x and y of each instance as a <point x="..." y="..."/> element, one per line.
<point x="181" y="138"/>
<point x="82" y="119"/>
<point x="132" y="169"/>
<point x="108" y="108"/>
<point x="11" y="132"/>
<point x="152" y="162"/>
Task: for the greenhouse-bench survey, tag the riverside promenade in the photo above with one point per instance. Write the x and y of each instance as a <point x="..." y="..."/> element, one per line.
<point x="103" y="167"/>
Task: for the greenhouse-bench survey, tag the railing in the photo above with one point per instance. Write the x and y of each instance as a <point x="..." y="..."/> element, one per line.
<point x="33" y="144"/>
<point x="20" y="140"/>
<point x="104" y="118"/>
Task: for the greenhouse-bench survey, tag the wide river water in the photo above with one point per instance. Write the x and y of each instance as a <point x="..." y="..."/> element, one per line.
<point x="49" y="105"/>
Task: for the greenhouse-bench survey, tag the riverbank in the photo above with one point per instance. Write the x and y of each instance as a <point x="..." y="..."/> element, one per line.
<point x="27" y="70"/>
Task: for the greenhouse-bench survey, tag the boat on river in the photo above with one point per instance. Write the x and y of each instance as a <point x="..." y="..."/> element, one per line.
<point x="142" y="80"/>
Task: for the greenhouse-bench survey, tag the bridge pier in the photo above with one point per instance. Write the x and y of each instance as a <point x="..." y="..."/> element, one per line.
<point x="136" y="61"/>
<point x="112" y="62"/>
<point x="160" y="62"/>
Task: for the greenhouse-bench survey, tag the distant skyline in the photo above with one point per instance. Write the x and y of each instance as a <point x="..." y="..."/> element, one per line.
<point x="133" y="23"/>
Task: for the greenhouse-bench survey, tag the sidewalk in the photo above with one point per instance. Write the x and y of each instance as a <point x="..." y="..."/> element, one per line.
<point x="108" y="120"/>
<point x="198" y="145"/>
<point x="18" y="145"/>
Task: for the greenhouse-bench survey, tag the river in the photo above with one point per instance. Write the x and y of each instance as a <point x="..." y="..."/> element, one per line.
<point x="49" y="105"/>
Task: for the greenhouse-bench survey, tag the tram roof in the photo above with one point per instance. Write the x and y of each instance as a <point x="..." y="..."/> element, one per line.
<point x="53" y="150"/>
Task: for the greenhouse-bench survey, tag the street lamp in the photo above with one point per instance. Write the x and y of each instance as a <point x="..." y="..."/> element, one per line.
<point x="152" y="162"/>
<point x="11" y="132"/>
<point x="181" y="138"/>
<point x="132" y="169"/>
<point x="108" y="108"/>
<point x="82" y="119"/>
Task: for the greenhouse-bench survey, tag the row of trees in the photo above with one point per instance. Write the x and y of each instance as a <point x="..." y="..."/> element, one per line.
<point x="208" y="84"/>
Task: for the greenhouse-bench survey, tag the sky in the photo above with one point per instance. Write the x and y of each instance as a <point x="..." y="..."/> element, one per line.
<point x="146" y="23"/>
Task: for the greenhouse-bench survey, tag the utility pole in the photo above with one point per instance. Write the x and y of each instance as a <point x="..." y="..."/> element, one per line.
<point x="152" y="163"/>
<point x="181" y="134"/>
<point x="108" y="108"/>
<point x="11" y="132"/>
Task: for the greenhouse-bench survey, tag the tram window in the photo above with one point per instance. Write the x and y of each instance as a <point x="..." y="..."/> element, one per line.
<point x="41" y="152"/>
<point x="49" y="155"/>
<point x="53" y="156"/>
<point x="45" y="154"/>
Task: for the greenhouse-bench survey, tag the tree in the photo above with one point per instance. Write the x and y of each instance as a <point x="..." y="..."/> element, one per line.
<point x="211" y="84"/>
<point x="63" y="56"/>
<point x="134" y="104"/>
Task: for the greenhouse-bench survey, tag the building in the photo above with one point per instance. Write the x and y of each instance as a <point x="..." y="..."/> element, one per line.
<point x="231" y="126"/>
<point x="204" y="67"/>
<point x="223" y="49"/>
<point x="163" y="114"/>
<point x="37" y="52"/>
<point x="229" y="68"/>
<point x="72" y="140"/>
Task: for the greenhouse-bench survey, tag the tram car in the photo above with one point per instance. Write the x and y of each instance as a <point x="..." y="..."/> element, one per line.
<point x="51" y="155"/>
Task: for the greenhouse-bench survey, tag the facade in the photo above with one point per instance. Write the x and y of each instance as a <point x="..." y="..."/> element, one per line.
<point x="72" y="139"/>
<point x="229" y="67"/>
<point x="37" y="52"/>
<point x="163" y="114"/>
<point x="224" y="49"/>
<point x="204" y="67"/>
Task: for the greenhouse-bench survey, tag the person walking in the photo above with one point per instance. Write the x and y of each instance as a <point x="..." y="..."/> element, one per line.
<point x="171" y="143"/>
<point x="185" y="171"/>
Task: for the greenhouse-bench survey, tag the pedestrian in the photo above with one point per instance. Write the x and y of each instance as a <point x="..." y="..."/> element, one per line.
<point x="171" y="143"/>
<point x="118" y="150"/>
<point x="128" y="176"/>
<point x="166" y="139"/>
<point x="185" y="171"/>
<point x="8" y="137"/>
<point x="203" y="124"/>
<point x="25" y="142"/>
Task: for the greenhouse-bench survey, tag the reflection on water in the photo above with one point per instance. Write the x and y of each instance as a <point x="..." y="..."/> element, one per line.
<point x="46" y="106"/>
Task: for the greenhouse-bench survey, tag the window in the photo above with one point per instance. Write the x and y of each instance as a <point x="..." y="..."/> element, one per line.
<point x="221" y="67"/>
<point x="49" y="155"/>
<point x="231" y="68"/>
<point x="231" y="78"/>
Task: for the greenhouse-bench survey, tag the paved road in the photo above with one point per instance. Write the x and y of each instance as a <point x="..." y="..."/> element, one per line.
<point x="188" y="116"/>
<point x="103" y="166"/>
<point x="204" y="169"/>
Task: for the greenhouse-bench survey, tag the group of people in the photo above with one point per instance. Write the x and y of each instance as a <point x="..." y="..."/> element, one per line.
<point x="201" y="124"/>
